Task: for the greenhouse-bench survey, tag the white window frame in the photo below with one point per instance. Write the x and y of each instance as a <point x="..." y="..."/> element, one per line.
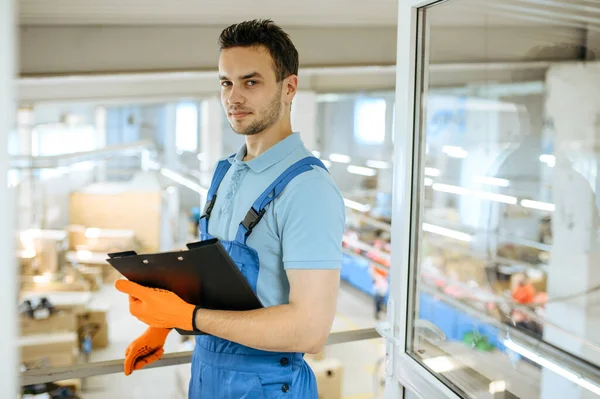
<point x="402" y="369"/>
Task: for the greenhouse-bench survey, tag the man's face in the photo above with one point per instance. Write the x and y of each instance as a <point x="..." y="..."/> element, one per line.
<point x="252" y="98"/>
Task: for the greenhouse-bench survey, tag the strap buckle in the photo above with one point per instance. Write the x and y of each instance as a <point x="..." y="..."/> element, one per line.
<point x="209" y="207"/>
<point x="252" y="218"/>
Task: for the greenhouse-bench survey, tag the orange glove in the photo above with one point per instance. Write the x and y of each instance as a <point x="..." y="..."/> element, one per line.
<point x="146" y="349"/>
<point x="156" y="307"/>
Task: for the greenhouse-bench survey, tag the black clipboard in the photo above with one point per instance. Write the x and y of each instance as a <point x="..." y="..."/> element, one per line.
<point x="204" y="275"/>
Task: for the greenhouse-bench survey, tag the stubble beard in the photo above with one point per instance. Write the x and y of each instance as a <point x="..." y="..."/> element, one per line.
<point x="271" y="116"/>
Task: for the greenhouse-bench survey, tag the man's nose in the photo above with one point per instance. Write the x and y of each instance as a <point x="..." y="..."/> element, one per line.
<point x="235" y="96"/>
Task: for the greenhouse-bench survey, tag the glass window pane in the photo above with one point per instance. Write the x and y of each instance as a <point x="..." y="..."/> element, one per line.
<point x="508" y="253"/>
<point x="369" y="120"/>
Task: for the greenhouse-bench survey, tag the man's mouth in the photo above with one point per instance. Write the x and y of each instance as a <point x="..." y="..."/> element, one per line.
<point x="239" y="114"/>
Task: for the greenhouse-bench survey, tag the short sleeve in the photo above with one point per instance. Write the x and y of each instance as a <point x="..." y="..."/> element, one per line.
<point x="311" y="223"/>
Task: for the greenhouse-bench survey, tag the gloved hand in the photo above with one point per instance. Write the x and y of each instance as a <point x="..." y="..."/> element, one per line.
<point x="146" y="349"/>
<point x="156" y="307"/>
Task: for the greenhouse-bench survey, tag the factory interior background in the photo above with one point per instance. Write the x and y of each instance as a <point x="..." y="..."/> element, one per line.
<point x="494" y="251"/>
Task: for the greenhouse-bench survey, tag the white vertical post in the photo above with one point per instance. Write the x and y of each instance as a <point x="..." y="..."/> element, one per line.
<point x="8" y="280"/>
<point x="304" y="118"/>
<point x="25" y="203"/>
<point x="170" y="157"/>
<point x="100" y="121"/>
<point x="211" y="137"/>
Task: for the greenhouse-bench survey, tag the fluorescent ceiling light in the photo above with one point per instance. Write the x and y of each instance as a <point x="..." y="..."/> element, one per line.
<point x="507" y="199"/>
<point x="550" y="365"/>
<point x="378" y="164"/>
<point x="316" y="154"/>
<point x="442" y="231"/>
<point x="356" y="205"/>
<point x="339" y="158"/>
<point x="492" y="181"/>
<point x="177" y="178"/>
<point x="428" y="182"/>
<point x="543" y="206"/>
<point x="433" y="172"/>
<point x="454" y="152"/>
<point x="447" y="188"/>
<point x="548" y="159"/>
<point x="359" y="170"/>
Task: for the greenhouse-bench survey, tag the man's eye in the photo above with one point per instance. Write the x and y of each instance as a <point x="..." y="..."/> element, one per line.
<point x="251" y="82"/>
<point x="225" y="84"/>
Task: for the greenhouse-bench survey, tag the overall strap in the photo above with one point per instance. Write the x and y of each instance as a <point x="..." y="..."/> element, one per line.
<point x="273" y="191"/>
<point x="220" y="172"/>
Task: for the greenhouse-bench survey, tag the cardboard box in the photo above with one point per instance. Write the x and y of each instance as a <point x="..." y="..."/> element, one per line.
<point x="329" y="373"/>
<point x="49" y="350"/>
<point x="28" y="263"/>
<point x="94" y="321"/>
<point x="465" y="270"/>
<point x="58" y="322"/>
<point x="77" y="238"/>
<point x="110" y="240"/>
<point x="49" y="247"/>
<point x="93" y="275"/>
<point x="73" y="384"/>
<point x="68" y="285"/>
<point x="100" y="239"/>
<point x="315" y="357"/>
<point x="95" y="260"/>
<point x="137" y="208"/>
<point x="66" y="301"/>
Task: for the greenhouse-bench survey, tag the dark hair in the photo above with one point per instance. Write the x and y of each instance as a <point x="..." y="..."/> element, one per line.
<point x="264" y="32"/>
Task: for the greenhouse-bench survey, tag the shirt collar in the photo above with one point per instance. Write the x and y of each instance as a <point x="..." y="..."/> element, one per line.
<point x="270" y="157"/>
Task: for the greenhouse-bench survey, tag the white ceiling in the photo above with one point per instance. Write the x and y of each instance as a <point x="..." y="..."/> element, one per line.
<point x="290" y="13"/>
<point x="208" y="12"/>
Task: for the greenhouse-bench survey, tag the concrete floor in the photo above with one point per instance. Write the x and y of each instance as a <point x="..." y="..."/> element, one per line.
<point x="359" y="359"/>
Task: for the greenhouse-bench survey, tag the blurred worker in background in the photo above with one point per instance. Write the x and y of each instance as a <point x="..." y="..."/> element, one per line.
<point x="524" y="292"/>
<point x="277" y="211"/>
<point x="380" y="288"/>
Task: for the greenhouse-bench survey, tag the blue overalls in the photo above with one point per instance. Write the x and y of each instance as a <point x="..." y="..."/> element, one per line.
<point x="223" y="369"/>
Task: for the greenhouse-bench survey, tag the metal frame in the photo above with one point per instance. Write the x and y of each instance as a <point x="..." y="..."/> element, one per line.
<point x="51" y="374"/>
<point x="411" y="84"/>
<point x="403" y="368"/>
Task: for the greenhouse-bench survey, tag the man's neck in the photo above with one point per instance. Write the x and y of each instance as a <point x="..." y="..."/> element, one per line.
<point x="261" y="142"/>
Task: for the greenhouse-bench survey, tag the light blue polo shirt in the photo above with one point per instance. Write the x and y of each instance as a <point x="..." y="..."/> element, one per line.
<point x="301" y="229"/>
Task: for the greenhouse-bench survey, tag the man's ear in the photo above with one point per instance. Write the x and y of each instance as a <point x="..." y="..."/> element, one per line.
<point x="291" y="88"/>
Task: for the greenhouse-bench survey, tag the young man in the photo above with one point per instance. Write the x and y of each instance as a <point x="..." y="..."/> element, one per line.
<point x="280" y="216"/>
